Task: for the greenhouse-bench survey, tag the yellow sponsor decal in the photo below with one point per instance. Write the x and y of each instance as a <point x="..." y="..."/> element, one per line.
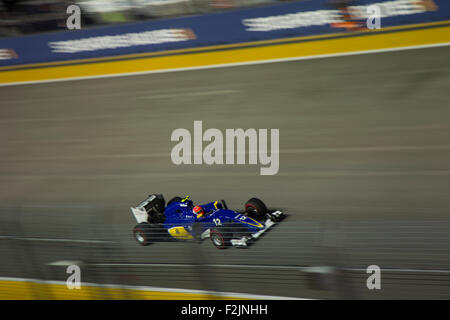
<point x="255" y="224"/>
<point x="180" y="233"/>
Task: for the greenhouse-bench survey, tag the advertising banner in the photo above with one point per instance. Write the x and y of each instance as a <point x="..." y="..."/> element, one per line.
<point x="295" y="19"/>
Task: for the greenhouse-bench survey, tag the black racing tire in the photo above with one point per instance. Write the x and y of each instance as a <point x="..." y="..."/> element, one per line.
<point x="221" y="237"/>
<point x="148" y="233"/>
<point x="174" y="199"/>
<point x="142" y="233"/>
<point x="255" y="208"/>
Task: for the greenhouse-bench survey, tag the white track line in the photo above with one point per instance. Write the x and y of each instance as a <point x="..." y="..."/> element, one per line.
<point x="225" y="65"/>
<point x="404" y="270"/>
<point x="282" y="151"/>
<point x="195" y="175"/>
<point x="54" y="240"/>
<point x="189" y="94"/>
<point x="268" y="267"/>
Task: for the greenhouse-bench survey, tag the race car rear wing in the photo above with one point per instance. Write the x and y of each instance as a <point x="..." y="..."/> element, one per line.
<point x="150" y="210"/>
<point x="140" y="214"/>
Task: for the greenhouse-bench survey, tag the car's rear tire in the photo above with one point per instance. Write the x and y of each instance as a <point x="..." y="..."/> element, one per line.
<point x="255" y="208"/>
<point x="142" y="233"/>
<point x="221" y="237"/>
<point x="147" y="233"/>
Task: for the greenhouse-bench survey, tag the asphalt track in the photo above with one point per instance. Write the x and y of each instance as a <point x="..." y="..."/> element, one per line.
<point x="364" y="156"/>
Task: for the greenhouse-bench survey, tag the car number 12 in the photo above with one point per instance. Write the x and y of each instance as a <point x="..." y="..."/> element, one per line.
<point x="217" y="222"/>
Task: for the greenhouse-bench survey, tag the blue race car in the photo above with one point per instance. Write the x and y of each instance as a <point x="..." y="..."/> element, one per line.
<point x="182" y="220"/>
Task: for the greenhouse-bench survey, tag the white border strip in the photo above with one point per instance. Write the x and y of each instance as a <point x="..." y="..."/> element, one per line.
<point x="225" y="65"/>
<point x="54" y="240"/>
<point x="159" y="289"/>
<point x="266" y="267"/>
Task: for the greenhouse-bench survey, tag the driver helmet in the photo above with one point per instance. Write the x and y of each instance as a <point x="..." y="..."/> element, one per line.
<point x="198" y="211"/>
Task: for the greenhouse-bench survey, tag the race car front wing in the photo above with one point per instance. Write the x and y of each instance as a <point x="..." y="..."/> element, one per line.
<point x="244" y="240"/>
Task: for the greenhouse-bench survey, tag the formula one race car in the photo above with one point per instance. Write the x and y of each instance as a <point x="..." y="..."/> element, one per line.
<point x="181" y="220"/>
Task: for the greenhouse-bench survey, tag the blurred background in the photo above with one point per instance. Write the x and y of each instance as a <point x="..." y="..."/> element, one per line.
<point x="364" y="169"/>
<point x="31" y="16"/>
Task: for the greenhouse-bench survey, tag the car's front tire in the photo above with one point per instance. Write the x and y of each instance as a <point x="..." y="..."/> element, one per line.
<point x="221" y="237"/>
<point x="255" y="208"/>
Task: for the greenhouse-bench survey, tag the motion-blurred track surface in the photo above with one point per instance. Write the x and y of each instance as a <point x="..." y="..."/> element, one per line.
<point x="364" y="169"/>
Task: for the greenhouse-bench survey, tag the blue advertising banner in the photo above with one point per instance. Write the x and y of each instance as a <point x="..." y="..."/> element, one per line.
<point x="313" y="17"/>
